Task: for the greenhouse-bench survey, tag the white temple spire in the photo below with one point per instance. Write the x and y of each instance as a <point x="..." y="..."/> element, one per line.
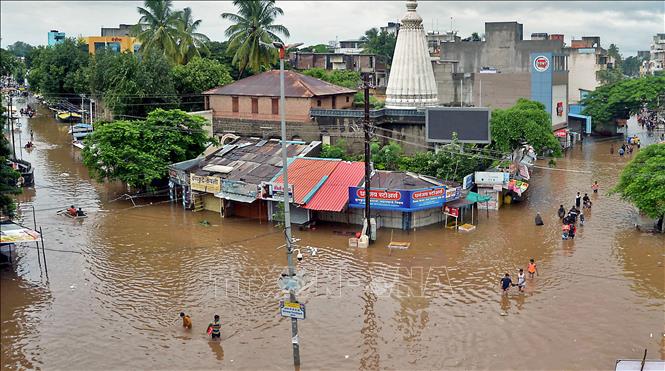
<point x="411" y="83"/>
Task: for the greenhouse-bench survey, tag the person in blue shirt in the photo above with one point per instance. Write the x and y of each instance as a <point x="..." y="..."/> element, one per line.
<point x="506" y="282"/>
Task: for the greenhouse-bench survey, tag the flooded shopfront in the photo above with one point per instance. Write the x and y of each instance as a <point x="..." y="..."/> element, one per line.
<point x="118" y="280"/>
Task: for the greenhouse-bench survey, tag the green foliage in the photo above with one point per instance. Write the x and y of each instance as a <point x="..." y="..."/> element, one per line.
<point x="345" y="78"/>
<point x="218" y="51"/>
<point x="8" y="178"/>
<point x="20" y="49"/>
<point x="318" y="48"/>
<point x="138" y="152"/>
<point x="130" y="84"/>
<point x="642" y="181"/>
<point x="610" y="75"/>
<point x="623" y="98"/>
<point x="197" y="76"/>
<point x="190" y="43"/>
<point x="8" y="63"/>
<point x="54" y="69"/>
<point x="157" y="29"/>
<point x="631" y="66"/>
<point x="525" y="121"/>
<point x="613" y="51"/>
<point x="252" y="28"/>
<point x="380" y="43"/>
<point x="386" y="157"/>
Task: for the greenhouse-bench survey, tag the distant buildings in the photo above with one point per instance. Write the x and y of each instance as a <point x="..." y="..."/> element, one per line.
<point x="585" y="59"/>
<point x="392" y="28"/>
<point x="350" y="47"/>
<point x="656" y="61"/>
<point x="366" y="64"/>
<point x="250" y="107"/>
<point x="121" y="30"/>
<point x="435" y="39"/>
<point x="55" y="37"/>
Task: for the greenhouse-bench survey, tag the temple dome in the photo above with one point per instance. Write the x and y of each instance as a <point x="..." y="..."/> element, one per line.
<point x="411" y="83"/>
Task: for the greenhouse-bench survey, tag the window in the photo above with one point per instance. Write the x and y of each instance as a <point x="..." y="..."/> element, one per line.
<point x="318" y="102"/>
<point x="275" y="106"/>
<point x="234" y="103"/>
<point x="347" y="99"/>
<point x="255" y="105"/>
<point x="334" y="102"/>
<point x="207" y="102"/>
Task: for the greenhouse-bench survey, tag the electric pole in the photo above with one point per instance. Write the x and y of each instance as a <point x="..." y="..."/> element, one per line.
<point x="367" y="157"/>
<point x="11" y="122"/>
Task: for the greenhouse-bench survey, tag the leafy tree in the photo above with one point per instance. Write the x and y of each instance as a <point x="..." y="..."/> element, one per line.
<point x="138" y="152"/>
<point x="8" y="178"/>
<point x="623" y="98"/>
<point x="157" y="28"/>
<point x="252" y="33"/>
<point x="642" y="181"/>
<point x="631" y="66"/>
<point x="218" y="51"/>
<point x="53" y="69"/>
<point x="525" y="121"/>
<point x="610" y="75"/>
<point x="386" y="157"/>
<point x="197" y="76"/>
<point x="380" y="43"/>
<point x="8" y="63"/>
<point x="130" y="84"/>
<point x="190" y="42"/>
<point x="345" y="78"/>
<point x="20" y="49"/>
<point x="613" y="51"/>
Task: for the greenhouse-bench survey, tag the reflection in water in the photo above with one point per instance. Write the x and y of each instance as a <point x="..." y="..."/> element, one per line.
<point x="126" y="272"/>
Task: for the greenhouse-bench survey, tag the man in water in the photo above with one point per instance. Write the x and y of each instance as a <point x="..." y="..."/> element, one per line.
<point x="506" y="282"/>
<point x="581" y="219"/>
<point x="72" y="210"/>
<point x="578" y="200"/>
<point x="562" y="212"/>
<point x="214" y="328"/>
<point x="80" y="212"/>
<point x="186" y="320"/>
<point x="539" y="219"/>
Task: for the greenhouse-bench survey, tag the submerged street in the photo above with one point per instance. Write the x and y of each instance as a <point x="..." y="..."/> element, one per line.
<point x="118" y="280"/>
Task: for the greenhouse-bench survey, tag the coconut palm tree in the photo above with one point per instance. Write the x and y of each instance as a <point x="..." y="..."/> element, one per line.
<point x="251" y="30"/>
<point x="190" y="42"/>
<point x="157" y="29"/>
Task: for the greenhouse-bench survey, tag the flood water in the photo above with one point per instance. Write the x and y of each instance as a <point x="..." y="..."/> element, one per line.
<point x="118" y="280"/>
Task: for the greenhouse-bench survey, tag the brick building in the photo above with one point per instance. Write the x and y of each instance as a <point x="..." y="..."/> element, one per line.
<point x="373" y="65"/>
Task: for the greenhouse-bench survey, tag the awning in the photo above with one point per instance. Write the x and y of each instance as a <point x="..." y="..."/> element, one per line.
<point x="475" y="197"/>
<point x="236" y="197"/>
<point x="13" y="233"/>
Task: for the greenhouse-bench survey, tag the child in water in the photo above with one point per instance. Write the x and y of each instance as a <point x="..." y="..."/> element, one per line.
<point x="521" y="280"/>
<point x="532" y="268"/>
<point x="594" y="187"/>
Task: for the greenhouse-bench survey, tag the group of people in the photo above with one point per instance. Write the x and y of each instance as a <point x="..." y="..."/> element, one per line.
<point x="507" y="282"/>
<point x="72" y="211"/>
<point x="28" y="111"/>
<point x="214" y="328"/>
<point x="647" y="118"/>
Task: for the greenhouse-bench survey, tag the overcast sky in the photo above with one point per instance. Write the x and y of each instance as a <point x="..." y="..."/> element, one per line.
<point x="630" y="25"/>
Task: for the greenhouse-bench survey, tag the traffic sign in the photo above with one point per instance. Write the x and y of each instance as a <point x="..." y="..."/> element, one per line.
<point x="292" y="309"/>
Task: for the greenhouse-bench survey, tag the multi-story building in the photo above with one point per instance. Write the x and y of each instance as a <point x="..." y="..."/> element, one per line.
<point x="435" y="39"/>
<point x="121" y="30"/>
<point x="373" y="65"/>
<point x="585" y="59"/>
<point x="55" y="37"/>
<point x="656" y="60"/>
<point x="502" y="68"/>
<point x="392" y="28"/>
<point x="250" y="107"/>
<point x="349" y="46"/>
<point x="116" y="44"/>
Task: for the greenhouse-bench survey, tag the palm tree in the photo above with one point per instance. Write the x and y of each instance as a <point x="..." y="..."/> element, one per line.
<point x="157" y="29"/>
<point x="253" y="28"/>
<point x="190" y="42"/>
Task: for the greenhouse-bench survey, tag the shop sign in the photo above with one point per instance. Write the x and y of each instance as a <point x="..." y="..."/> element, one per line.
<point x="234" y="187"/>
<point x="292" y="309"/>
<point x="541" y="63"/>
<point x="209" y="184"/>
<point x="274" y="191"/>
<point x="387" y="200"/>
<point x="453" y="194"/>
<point x="429" y="197"/>
<point x="491" y="178"/>
<point x="404" y="200"/>
<point x="467" y="183"/>
<point x="561" y="133"/>
<point x="451" y="211"/>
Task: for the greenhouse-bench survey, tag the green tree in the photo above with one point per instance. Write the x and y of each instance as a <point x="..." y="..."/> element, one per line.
<point x="53" y="69"/>
<point x="252" y="33"/>
<point x="130" y="84"/>
<point x="138" y="152"/>
<point x="8" y="63"/>
<point x="157" y="29"/>
<point x="623" y="98"/>
<point x="631" y="66"/>
<point x="219" y="52"/>
<point x="196" y="77"/>
<point x="642" y="181"/>
<point x="380" y="43"/>
<point x="610" y="75"/>
<point x="613" y="51"/>
<point x="8" y="178"/>
<point x="386" y="157"/>
<point x="20" y="49"/>
<point x="525" y="121"/>
<point x="190" y="43"/>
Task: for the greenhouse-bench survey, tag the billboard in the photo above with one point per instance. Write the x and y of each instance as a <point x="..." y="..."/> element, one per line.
<point x="404" y="200"/>
<point x="274" y="191"/>
<point x="472" y="124"/>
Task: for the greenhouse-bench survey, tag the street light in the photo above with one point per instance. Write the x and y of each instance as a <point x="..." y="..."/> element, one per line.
<point x="287" y="211"/>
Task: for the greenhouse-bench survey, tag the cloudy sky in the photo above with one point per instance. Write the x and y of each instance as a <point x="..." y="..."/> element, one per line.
<point x="628" y="24"/>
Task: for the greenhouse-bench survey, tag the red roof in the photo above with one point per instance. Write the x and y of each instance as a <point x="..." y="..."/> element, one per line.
<point x="266" y="84"/>
<point x="334" y="194"/>
<point x="307" y="175"/>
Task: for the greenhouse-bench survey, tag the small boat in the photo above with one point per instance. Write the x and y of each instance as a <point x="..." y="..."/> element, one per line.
<point x="70" y="216"/>
<point x="78" y="144"/>
<point x="68" y="116"/>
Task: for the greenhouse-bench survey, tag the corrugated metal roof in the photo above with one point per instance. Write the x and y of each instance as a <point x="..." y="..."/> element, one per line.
<point x="334" y="194"/>
<point x="266" y="84"/>
<point x="306" y="175"/>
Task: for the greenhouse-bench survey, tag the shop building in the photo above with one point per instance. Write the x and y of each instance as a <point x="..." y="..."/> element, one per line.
<point x="115" y="44"/>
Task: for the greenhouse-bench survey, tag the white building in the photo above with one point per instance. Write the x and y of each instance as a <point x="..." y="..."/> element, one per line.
<point x="411" y="83"/>
<point x="585" y="59"/>
<point x="656" y="60"/>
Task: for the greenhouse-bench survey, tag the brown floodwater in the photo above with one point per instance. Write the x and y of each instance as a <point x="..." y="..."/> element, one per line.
<point x="118" y="280"/>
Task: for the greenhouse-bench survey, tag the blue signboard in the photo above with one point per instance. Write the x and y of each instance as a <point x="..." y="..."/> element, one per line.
<point x="404" y="200"/>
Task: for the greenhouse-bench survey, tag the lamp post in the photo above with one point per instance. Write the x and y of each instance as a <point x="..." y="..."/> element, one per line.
<point x="287" y="212"/>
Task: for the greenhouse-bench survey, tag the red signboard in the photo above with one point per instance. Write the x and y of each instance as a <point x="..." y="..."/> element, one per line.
<point x="452" y="211"/>
<point x="561" y="133"/>
<point x="541" y="63"/>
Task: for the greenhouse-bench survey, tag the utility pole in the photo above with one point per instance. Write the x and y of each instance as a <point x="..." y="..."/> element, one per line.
<point x="367" y="157"/>
<point x="11" y="122"/>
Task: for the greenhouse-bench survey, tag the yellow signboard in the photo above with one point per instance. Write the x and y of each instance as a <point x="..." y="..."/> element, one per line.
<point x="210" y="184"/>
